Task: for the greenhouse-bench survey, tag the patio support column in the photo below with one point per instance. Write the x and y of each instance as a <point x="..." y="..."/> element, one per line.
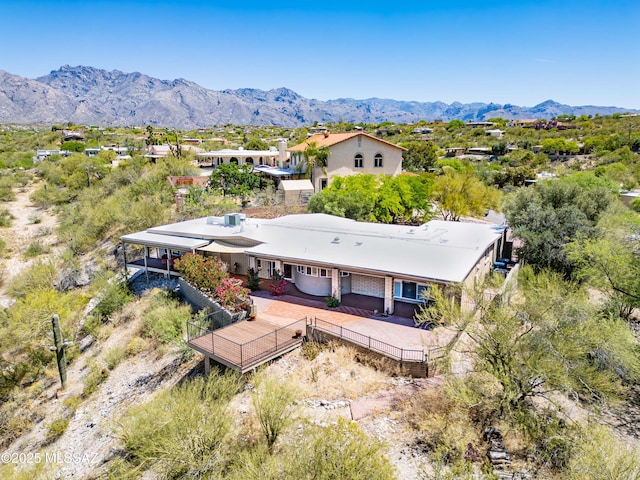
<point x="252" y="262"/>
<point x="336" y="288"/>
<point x="207" y="366"/>
<point x="146" y="267"/>
<point x="278" y="266"/>
<point x="168" y="262"/>
<point x="388" y="295"/>
<point x="124" y="254"/>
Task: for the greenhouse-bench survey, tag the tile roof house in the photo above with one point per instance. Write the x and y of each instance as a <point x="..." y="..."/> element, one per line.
<point x="327" y="255"/>
<point x="349" y="153"/>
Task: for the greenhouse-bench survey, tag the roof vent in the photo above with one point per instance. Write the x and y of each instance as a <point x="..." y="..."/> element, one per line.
<point x="336" y="240"/>
<point x="358" y="244"/>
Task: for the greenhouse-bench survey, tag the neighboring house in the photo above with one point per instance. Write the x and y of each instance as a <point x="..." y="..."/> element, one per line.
<point x="325" y="255"/>
<point x="45" y="154"/>
<point x="160" y="151"/>
<point x="349" y="153"/>
<point x="495" y="133"/>
<point x="274" y="157"/>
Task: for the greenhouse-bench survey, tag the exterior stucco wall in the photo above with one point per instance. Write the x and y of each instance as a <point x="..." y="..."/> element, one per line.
<point x="341" y="159"/>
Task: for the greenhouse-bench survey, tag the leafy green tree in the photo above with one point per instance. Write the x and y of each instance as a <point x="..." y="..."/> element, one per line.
<point x="256" y="144"/>
<point x="499" y="149"/>
<point x="553" y="213"/>
<point x="367" y="197"/>
<point x="73" y="146"/>
<point x="611" y="262"/>
<point x="462" y="194"/>
<point x="420" y="156"/>
<point x="455" y="125"/>
<point x="233" y="179"/>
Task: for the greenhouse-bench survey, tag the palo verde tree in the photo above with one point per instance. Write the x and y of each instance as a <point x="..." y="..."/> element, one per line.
<point x="549" y="338"/>
<point x="611" y="262"/>
<point x="459" y="194"/>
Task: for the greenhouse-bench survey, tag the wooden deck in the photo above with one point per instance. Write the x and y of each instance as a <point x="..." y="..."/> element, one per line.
<point x="247" y="344"/>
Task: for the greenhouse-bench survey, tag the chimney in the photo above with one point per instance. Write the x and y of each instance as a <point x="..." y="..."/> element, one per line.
<point x="282" y="149"/>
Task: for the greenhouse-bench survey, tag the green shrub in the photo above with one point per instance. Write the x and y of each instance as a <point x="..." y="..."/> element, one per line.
<point x="273" y="404"/>
<point x="6" y="218"/>
<point x="332" y="301"/>
<point x="116" y="295"/>
<point x="183" y="432"/>
<point x="35" y="249"/>
<point x="135" y="346"/>
<point x="41" y="275"/>
<point x="57" y="428"/>
<point x="97" y="374"/>
<point x="165" y="318"/>
<point x="114" y="356"/>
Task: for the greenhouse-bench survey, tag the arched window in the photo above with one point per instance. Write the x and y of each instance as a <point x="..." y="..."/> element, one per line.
<point x="357" y="161"/>
<point x="249" y="161"/>
<point x="233" y="160"/>
<point x="377" y="160"/>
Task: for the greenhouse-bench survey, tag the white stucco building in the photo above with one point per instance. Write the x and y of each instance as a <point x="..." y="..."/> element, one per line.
<point x="326" y="255"/>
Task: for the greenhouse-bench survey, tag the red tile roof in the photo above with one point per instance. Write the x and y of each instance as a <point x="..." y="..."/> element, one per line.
<point x="330" y="139"/>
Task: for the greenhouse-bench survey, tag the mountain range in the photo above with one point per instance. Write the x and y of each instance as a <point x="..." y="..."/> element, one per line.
<point x="87" y="95"/>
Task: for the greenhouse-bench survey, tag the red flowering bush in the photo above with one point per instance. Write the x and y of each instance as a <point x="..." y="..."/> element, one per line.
<point x="231" y="293"/>
<point x="278" y="284"/>
<point x="209" y="275"/>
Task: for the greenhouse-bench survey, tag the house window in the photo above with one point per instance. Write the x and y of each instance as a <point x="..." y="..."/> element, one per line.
<point x="377" y="160"/>
<point x="268" y="265"/>
<point x="410" y="291"/>
<point x="357" y="161"/>
<point x="313" y="271"/>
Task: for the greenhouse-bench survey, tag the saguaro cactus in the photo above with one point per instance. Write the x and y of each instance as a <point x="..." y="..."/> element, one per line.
<point x="59" y="347"/>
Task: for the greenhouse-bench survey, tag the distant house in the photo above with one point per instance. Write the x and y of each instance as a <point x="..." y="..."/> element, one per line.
<point x="160" y="151"/>
<point x="495" y="133"/>
<point x="273" y="157"/>
<point x="349" y="154"/>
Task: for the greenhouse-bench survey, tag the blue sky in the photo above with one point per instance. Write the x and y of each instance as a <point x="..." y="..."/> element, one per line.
<point x="518" y="52"/>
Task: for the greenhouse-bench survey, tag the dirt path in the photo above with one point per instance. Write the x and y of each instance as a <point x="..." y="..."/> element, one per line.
<point x="29" y="225"/>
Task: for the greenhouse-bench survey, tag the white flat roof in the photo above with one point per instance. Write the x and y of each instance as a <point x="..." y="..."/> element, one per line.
<point x="295" y="185"/>
<point x="437" y="250"/>
<point x="169" y="241"/>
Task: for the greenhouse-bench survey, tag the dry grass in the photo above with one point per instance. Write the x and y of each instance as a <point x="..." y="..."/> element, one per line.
<point x="336" y="373"/>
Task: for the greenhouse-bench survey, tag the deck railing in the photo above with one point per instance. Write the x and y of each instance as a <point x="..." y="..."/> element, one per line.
<point x="378" y="346"/>
<point x="246" y="354"/>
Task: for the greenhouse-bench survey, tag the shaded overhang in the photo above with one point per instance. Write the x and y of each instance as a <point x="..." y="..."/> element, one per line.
<point x="167" y="241"/>
<point x="219" y="246"/>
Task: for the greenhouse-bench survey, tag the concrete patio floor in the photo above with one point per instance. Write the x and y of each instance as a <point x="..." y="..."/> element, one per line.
<point x="397" y="331"/>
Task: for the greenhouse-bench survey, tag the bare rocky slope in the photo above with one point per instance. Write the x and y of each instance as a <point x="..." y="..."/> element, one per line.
<point x="87" y="95"/>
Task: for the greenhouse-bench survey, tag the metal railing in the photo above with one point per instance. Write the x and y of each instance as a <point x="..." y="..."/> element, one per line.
<point x="245" y="354"/>
<point x="370" y="343"/>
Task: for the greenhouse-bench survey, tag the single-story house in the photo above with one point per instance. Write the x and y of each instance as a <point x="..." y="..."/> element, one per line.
<point x="326" y="255"/>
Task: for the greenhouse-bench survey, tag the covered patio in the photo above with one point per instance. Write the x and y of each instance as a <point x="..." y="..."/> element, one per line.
<point x="158" y="251"/>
